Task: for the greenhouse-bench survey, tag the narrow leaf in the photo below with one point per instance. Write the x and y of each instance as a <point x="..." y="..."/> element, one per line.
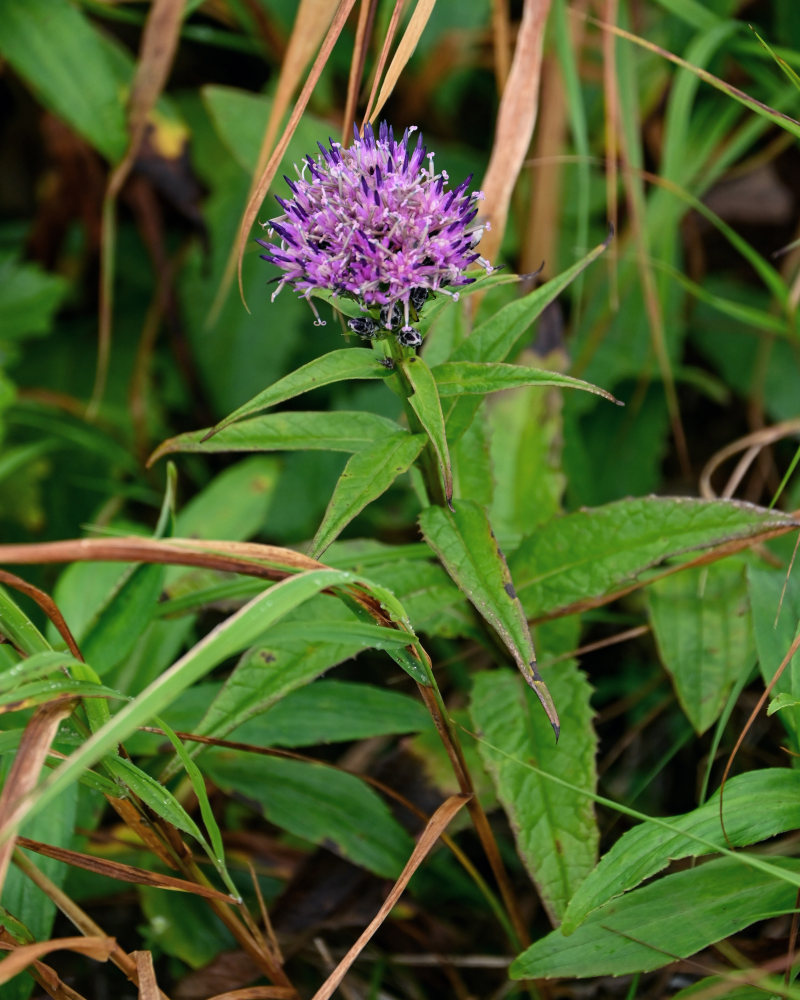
<point x="337" y="366"/>
<point x="676" y="916"/>
<point x="555" y="828"/>
<point x="367" y="475"/>
<point x="464" y="542"/>
<point x="456" y="378"/>
<point x="648" y="848"/>
<point x="340" y="430"/>
<point x="425" y="402"/>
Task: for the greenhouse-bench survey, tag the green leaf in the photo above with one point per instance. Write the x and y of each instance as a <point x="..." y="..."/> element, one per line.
<point x="427" y="406"/>
<point x="319" y="804"/>
<point x="184" y="927"/>
<point x="34" y="667"/>
<point x="525" y="443"/>
<point x="29" y="297"/>
<point x="554" y="828"/>
<point x="337" y="366"/>
<point x="675" y="917"/>
<point x="775" y="604"/>
<point x="592" y="553"/>
<point x="319" y="636"/>
<point x="235" y="503"/>
<point x="56" y="50"/>
<point x="456" y="378"/>
<point x="334" y="711"/>
<point x="39" y="692"/>
<point x="236" y="633"/>
<point x="367" y="475"/>
<point x="701" y="623"/>
<point x="648" y="848"/>
<point x="340" y="430"/>
<point x="464" y="542"/>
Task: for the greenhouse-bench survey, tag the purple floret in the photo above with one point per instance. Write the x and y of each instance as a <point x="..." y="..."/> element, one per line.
<point x="375" y="222"/>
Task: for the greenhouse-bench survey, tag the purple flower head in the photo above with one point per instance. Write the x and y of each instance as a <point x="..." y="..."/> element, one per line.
<point x="376" y="223"/>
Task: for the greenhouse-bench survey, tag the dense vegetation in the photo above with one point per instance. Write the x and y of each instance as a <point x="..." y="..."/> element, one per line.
<point x="271" y="720"/>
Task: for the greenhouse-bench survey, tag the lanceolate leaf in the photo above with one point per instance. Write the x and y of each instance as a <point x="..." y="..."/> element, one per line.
<point x="425" y="402"/>
<point x="340" y="430"/>
<point x="701" y="621"/>
<point x="456" y="378"/>
<point x="338" y="366"/>
<point x="367" y="475"/>
<point x="319" y="804"/>
<point x="676" y="916"/>
<point x="555" y="828"/>
<point x="649" y="847"/>
<point x="591" y="553"/>
<point x="464" y="542"/>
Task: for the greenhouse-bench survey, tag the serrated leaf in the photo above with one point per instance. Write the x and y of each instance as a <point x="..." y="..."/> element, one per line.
<point x="337" y="366"/>
<point x="649" y="847"/>
<point x="333" y="711"/>
<point x="60" y="54"/>
<point x="464" y="542"/>
<point x="701" y="623"/>
<point x="367" y="475"/>
<point x="555" y="829"/>
<point x="319" y="804"/>
<point x="427" y="406"/>
<point x="675" y="917"/>
<point x="339" y="430"/>
<point x="457" y="378"/>
<point x="590" y="553"/>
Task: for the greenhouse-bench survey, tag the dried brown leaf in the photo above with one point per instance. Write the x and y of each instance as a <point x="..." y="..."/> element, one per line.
<point x="405" y="50"/>
<point x="515" y="123"/>
<point x="148" y="987"/>
<point x="259" y="190"/>
<point x="98" y="948"/>
<point x="366" y="17"/>
<point x="433" y="829"/>
<point x="31" y="754"/>
<point x="118" y="870"/>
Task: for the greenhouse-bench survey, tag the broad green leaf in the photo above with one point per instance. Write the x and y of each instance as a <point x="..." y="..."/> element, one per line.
<point x="59" y="53"/>
<point x="338" y="366"/>
<point x="701" y="623"/>
<point x="125" y="613"/>
<point x="464" y="542"/>
<point x="648" y="848"/>
<point x="473" y="472"/>
<point x="676" y="916"/>
<point x="555" y="829"/>
<point x="184" y="928"/>
<point x="319" y="804"/>
<point x="318" y="637"/>
<point x="775" y="604"/>
<point x="592" y="553"/>
<point x="340" y="430"/>
<point x="26" y="901"/>
<point x="235" y="503"/>
<point x="367" y="475"/>
<point x="29" y="297"/>
<point x="525" y="443"/>
<point x="457" y="378"/>
<point x="334" y="711"/>
<point x="427" y="406"/>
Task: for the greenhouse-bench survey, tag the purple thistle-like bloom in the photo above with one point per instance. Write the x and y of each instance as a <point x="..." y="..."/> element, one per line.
<point x="374" y="222"/>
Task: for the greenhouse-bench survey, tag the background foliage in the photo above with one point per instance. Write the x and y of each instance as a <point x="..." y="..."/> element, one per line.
<point x="650" y="545"/>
